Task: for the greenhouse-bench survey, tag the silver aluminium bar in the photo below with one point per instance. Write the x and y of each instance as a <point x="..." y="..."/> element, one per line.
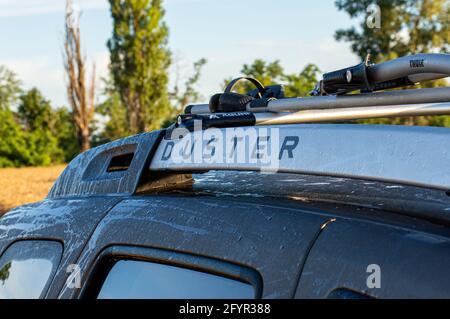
<point x="200" y="109"/>
<point x="353" y="113"/>
<point x="417" y="96"/>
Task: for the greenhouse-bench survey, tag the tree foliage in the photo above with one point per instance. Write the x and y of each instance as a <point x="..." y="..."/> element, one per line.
<point x="65" y="132"/>
<point x="407" y="27"/>
<point x="37" y="122"/>
<point x="13" y="149"/>
<point x="295" y="84"/>
<point x="115" y="114"/>
<point x="34" y="134"/>
<point x="303" y="83"/>
<point x="34" y="111"/>
<point x="139" y="61"/>
<point x="113" y="109"/>
<point x="265" y="72"/>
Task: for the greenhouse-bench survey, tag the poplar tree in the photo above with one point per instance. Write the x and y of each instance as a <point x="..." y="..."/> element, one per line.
<point x="140" y="59"/>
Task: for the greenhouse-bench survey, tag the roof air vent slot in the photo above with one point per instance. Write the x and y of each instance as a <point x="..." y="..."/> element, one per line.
<point x="120" y="163"/>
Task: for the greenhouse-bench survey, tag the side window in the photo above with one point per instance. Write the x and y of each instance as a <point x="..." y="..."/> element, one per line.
<point x="146" y="280"/>
<point x="26" y="268"/>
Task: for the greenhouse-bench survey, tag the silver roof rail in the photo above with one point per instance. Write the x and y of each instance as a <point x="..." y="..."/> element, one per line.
<point x="418" y="156"/>
<point x="352" y="113"/>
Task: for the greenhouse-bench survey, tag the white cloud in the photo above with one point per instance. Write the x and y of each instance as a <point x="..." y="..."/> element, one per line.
<point x="14" y="8"/>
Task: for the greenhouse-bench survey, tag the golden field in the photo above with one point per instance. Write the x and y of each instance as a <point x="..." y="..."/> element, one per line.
<point x="25" y="185"/>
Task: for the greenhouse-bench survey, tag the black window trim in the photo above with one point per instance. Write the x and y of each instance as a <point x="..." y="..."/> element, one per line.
<point x="103" y="263"/>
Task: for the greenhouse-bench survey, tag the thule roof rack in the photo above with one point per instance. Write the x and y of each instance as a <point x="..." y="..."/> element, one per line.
<point x="331" y="101"/>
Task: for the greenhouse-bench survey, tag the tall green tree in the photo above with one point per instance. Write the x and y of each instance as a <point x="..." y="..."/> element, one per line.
<point x="140" y="59"/>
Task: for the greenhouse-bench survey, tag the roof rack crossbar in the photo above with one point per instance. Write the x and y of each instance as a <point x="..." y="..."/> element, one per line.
<point x="353" y="113"/>
<point x="233" y="119"/>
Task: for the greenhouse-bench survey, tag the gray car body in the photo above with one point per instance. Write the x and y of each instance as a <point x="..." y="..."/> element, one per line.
<point x="286" y="248"/>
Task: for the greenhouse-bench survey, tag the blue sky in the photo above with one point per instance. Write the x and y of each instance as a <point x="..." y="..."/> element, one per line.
<point x="227" y="33"/>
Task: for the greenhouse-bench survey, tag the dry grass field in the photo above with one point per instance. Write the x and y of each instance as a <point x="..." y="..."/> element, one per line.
<point x="25" y="185"/>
